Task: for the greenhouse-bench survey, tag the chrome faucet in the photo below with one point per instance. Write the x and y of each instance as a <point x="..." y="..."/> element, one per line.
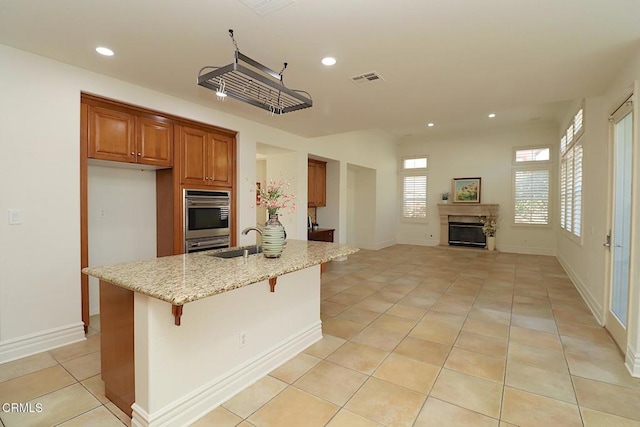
<point x="257" y="230"/>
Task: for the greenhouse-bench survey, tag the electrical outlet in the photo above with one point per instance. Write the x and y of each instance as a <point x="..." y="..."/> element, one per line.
<point x="242" y="341"/>
<point x="102" y="213"/>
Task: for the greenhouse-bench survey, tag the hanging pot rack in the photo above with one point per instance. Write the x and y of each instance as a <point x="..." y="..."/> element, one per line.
<point x="249" y="81"/>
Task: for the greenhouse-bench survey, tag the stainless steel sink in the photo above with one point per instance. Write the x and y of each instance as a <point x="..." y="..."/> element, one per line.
<point x="234" y="253"/>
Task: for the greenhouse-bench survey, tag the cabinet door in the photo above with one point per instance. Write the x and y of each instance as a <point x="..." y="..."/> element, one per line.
<point x="193" y="147"/>
<point x="321" y="184"/>
<point x="111" y="135"/>
<point x="221" y="167"/>
<point x="311" y="184"/>
<point x="154" y="142"/>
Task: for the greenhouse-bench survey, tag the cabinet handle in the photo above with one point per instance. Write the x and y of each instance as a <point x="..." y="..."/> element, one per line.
<point x="133" y="154"/>
<point x="206" y="178"/>
<point x="139" y="154"/>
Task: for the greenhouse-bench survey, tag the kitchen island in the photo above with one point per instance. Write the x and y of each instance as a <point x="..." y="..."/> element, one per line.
<point x="182" y="334"/>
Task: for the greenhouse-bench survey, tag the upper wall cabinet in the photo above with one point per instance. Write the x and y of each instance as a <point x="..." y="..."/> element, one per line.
<point x="317" y="183"/>
<point x="207" y="158"/>
<point x="121" y="136"/>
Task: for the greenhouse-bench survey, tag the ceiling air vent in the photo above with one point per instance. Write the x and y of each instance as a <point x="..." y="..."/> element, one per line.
<point x="265" y="7"/>
<point x="366" y="78"/>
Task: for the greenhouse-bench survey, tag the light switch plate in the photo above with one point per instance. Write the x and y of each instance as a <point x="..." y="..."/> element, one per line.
<point x="15" y="217"/>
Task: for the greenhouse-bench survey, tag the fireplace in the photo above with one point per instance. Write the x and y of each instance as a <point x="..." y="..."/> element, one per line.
<point x="466" y="221"/>
<point x="466" y="234"/>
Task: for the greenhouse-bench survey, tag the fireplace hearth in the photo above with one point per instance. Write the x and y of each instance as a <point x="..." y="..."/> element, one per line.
<point x="466" y="220"/>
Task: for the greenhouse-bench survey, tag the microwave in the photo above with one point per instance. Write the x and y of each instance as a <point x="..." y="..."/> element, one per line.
<point x="206" y="216"/>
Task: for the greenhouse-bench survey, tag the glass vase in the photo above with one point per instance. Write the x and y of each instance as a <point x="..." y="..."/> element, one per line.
<point x="273" y="236"/>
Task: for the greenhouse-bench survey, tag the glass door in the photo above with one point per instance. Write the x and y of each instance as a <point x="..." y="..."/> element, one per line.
<point x="620" y="241"/>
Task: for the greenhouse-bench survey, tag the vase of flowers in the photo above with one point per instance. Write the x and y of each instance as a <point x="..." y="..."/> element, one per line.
<point x="445" y="197"/>
<point x="275" y="198"/>
<point x="489" y="228"/>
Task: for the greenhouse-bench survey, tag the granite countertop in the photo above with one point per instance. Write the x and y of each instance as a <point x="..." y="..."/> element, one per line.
<point x="180" y="279"/>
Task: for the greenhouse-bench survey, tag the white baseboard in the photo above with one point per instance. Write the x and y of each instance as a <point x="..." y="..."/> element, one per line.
<point x="526" y="250"/>
<point x="419" y="242"/>
<point x="376" y="245"/>
<point x="589" y="299"/>
<point x="632" y="362"/>
<point x="24" y="346"/>
<point x="198" y="403"/>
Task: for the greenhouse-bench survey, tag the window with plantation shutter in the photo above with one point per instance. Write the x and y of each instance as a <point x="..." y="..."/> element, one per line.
<point x="532" y="196"/>
<point x="571" y="158"/>
<point x="414" y="188"/>
<point x="414" y="203"/>
<point x="531" y="185"/>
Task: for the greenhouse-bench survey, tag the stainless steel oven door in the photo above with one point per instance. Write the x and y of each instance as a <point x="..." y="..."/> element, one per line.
<point x="206" y="214"/>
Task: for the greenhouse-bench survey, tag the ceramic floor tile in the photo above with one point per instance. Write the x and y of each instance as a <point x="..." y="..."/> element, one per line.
<point x="593" y="418"/>
<point x="467" y="391"/>
<point x="536" y="323"/>
<point x="609" y="398"/>
<point x="445" y="320"/>
<point x="83" y="367"/>
<point x="25" y="366"/>
<point x="477" y="364"/>
<point x="375" y="304"/>
<point x="345" y="299"/>
<point x="540" y="381"/>
<point x="395" y="324"/>
<point x="359" y="357"/>
<point x="346" y="418"/>
<point x="95" y="385"/>
<point x="35" y="384"/>
<point x="386" y="403"/>
<point x="552" y="360"/>
<point x="424" y="351"/>
<point x="126" y="420"/>
<point x="418" y="302"/>
<point x="100" y="416"/>
<point x="219" y="417"/>
<point x="598" y="350"/>
<point x="327" y="345"/>
<point x="331" y="382"/>
<point x="606" y="370"/>
<point x="359" y="315"/>
<point x="332" y="309"/>
<point x="486" y="327"/>
<point x="409" y="373"/>
<point x="57" y="407"/>
<point x="295" y="368"/>
<point x="428" y="332"/>
<point x="73" y="351"/>
<point x="482" y="344"/>
<point x="590" y="333"/>
<point x="437" y="413"/>
<point x="341" y="328"/>
<point x="294" y="407"/>
<point x="407" y="312"/>
<point x="534" y="338"/>
<point x="526" y="409"/>
<point x="253" y="397"/>
<point x="378" y="338"/>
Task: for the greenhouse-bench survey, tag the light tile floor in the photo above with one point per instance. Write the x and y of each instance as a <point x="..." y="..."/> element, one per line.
<point x="413" y="336"/>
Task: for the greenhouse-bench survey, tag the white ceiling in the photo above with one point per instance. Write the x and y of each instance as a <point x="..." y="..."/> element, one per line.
<point x="450" y="62"/>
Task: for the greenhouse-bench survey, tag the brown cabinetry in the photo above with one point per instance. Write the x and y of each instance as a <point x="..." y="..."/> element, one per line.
<point x="321" y="234"/>
<point x="206" y="158"/>
<point x="317" y="183"/>
<point x="121" y="136"/>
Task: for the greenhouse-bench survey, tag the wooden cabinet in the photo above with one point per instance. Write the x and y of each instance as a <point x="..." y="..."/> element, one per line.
<point x="121" y="136"/>
<point x="206" y="158"/>
<point x="317" y="183"/>
<point x="321" y="234"/>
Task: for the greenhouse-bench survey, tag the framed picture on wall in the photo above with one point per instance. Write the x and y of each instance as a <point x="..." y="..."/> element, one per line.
<point x="466" y="190"/>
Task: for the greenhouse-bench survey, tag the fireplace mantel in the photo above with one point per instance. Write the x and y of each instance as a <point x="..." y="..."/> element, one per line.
<point x="447" y="210"/>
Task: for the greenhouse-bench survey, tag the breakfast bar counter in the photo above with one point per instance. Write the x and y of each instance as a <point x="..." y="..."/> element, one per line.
<point x="236" y="326"/>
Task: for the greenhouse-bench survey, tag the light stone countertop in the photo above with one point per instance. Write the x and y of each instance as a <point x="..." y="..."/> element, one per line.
<point x="180" y="279"/>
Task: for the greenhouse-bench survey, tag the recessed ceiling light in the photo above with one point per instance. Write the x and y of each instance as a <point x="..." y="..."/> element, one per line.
<point x="430" y="125"/>
<point x="328" y="61"/>
<point x="492" y="115"/>
<point x="104" y="51"/>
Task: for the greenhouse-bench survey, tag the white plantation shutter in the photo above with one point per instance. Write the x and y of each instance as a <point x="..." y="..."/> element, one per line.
<point x="571" y="175"/>
<point x="577" y="190"/>
<point x="414" y="197"/>
<point x="532" y="196"/>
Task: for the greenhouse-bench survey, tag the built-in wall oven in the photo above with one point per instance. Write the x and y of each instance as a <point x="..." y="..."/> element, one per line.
<point x="206" y="220"/>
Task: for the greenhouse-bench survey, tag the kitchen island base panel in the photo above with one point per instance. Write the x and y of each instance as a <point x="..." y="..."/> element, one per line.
<point x="182" y="373"/>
